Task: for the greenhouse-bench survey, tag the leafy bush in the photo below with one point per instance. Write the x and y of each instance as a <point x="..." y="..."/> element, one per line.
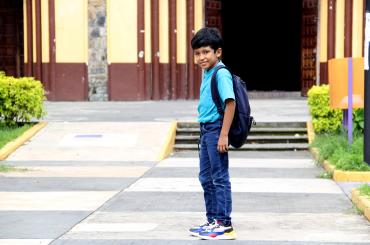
<point x="324" y="119"/>
<point x="21" y="99"/>
<point x="358" y="120"/>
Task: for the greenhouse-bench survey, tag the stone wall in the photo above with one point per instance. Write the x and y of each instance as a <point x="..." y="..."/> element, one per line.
<point x="97" y="67"/>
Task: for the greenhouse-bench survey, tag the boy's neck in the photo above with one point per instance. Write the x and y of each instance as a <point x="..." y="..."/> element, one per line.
<point x="213" y="65"/>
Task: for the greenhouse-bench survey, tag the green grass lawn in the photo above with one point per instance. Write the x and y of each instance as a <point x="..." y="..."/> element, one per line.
<point x="365" y="190"/>
<point x="335" y="149"/>
<point x="9" y="133"/>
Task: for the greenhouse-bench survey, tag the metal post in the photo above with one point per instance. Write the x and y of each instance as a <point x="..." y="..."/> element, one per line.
<point x="367" y="92"/>
<point x="350" y="101"/>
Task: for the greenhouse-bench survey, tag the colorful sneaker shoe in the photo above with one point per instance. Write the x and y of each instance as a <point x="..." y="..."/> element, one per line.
<point x="218" y="232"/>
<point x="194" y="231"/>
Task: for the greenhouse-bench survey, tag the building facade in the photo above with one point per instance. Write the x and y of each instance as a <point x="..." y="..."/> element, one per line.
<point x="101" y="50"/>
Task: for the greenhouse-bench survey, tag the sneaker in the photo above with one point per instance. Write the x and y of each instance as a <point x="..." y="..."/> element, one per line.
<point x="194" y="231"/>
<point x="218" y="232"/>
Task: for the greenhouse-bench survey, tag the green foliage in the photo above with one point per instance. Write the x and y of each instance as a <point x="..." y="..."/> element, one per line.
<point x="11" y="132"/>
<point x="324" y="119"/>
<point x="365" y="190"/>
<point x="335" y="148"/>
<point x="8" y="168"/>
<point x="328" y="144"/>
<point x="325" y="175"/>
<point x="358" y="120"/>
<point x="21" y="99"/>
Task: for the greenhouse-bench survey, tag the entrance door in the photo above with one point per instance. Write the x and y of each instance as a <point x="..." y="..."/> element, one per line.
<point x="11" y="37"/>
<point x="213" y="14"/>
<point x="308" y="44"/>
<point x="262" y="43"/>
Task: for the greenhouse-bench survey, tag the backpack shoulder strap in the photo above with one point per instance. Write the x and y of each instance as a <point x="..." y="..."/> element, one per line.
<point x="214" y="89"/>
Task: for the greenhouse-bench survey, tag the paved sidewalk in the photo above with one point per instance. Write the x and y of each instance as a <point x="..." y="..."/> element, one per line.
<point x="277" y="200"/>
<point x="72" y="170"/>
<point x="94" y="179"/>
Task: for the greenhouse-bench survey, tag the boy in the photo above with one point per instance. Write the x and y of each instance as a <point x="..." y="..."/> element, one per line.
<point x="213" y="156"/>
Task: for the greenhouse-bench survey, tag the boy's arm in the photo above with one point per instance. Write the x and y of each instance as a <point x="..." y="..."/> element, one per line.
<point x="223" y="141"/>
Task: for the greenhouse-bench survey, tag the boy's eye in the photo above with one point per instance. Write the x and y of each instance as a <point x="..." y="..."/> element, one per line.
<point x="203" y="52"/>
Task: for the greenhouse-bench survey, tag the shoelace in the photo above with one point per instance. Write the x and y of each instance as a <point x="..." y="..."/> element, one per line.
<point x="212" y="226"/>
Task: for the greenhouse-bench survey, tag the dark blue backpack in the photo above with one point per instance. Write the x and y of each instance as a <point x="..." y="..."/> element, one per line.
<point x="242" y="121"/>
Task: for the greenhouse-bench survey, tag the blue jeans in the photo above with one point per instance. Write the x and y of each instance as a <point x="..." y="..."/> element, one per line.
<point x="214" y="174"/>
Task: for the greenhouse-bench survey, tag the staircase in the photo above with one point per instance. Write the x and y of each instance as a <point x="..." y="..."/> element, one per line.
<point x="271" y="136"/>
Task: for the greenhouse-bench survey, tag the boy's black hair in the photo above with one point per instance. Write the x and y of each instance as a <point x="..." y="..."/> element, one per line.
<point x="207" y="36"/>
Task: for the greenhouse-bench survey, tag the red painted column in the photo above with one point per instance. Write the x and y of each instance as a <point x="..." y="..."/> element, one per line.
<point x="348" y="28"/>
<point x="190" y="34"/>
<point x="52" y="51"/>
<point x="155" y="49"/>
<point x="173" y="51"/>
<point x="141" y="48"/>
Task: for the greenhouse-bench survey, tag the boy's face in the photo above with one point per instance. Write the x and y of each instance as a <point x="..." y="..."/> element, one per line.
<point x="206" y="57"/>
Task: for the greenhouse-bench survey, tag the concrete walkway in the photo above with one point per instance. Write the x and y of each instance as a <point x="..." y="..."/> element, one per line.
<point x="94" y="179"/>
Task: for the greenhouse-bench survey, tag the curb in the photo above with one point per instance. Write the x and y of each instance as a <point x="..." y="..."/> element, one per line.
<point x="362" y="203"/>
<point x="310" y="132"/>
<point x="169" y="143"/>
<point x="338" y="175"/>
<point x="13" y="145"/>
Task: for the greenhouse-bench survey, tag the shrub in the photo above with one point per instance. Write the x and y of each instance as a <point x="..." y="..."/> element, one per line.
<point x="21" y="99"/>
<point x="324" y="119"/>
<point x="358" y="120"/>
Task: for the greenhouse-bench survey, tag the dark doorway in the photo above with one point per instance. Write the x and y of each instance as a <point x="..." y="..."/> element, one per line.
<point x="11" y="37"/>
<point x="263" y="42"/>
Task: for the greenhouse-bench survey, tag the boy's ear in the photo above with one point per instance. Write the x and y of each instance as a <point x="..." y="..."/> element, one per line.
<point x="219" y="52"/>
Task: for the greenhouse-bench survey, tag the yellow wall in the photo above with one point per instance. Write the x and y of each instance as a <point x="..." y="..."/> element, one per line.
<point x="357" y="28"/>
<point x="148" y="33"/>
<point x="323" y="30"/>
<point x="339" y="29"/>
<point x="71" y="31"/>
<point x="45" y="30"/>
<point x="164" y="32"/>
<point x="34" y="31"/>
<point x="181" y="31"/>
<point x="198" y="15"/>
<point x="25" y="30"/>
<point x="122" y="31"/>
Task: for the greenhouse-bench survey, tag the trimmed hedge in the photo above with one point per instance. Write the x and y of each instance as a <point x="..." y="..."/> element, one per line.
<point x="324" y="119"/>
<point x="21" y="99"/>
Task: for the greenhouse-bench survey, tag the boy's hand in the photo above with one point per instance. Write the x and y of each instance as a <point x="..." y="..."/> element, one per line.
<point x="223" y="144"/>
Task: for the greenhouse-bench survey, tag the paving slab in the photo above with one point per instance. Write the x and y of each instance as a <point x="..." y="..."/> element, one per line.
<point x="37" y="224"/>
<point x="242" y="202"/>
<point x="55" y="184"/>
<point x="195" y="242"/>
<point x="263" y="110"/>
<point x="249" y="226"/>
<point x="102" y="141"/>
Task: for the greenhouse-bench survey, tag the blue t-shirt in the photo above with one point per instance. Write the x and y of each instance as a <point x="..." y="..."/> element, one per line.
<point x="206" y="108"/>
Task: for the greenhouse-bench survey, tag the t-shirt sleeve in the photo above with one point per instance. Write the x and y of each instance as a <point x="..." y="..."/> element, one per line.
<point x="225" y="85"/>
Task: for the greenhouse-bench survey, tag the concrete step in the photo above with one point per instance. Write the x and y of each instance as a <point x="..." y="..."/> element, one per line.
<point x="251" y="147"/>
<point x="254" y="131"/>
<point x="193" y="139"/>
<point x="258" y="125"/>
